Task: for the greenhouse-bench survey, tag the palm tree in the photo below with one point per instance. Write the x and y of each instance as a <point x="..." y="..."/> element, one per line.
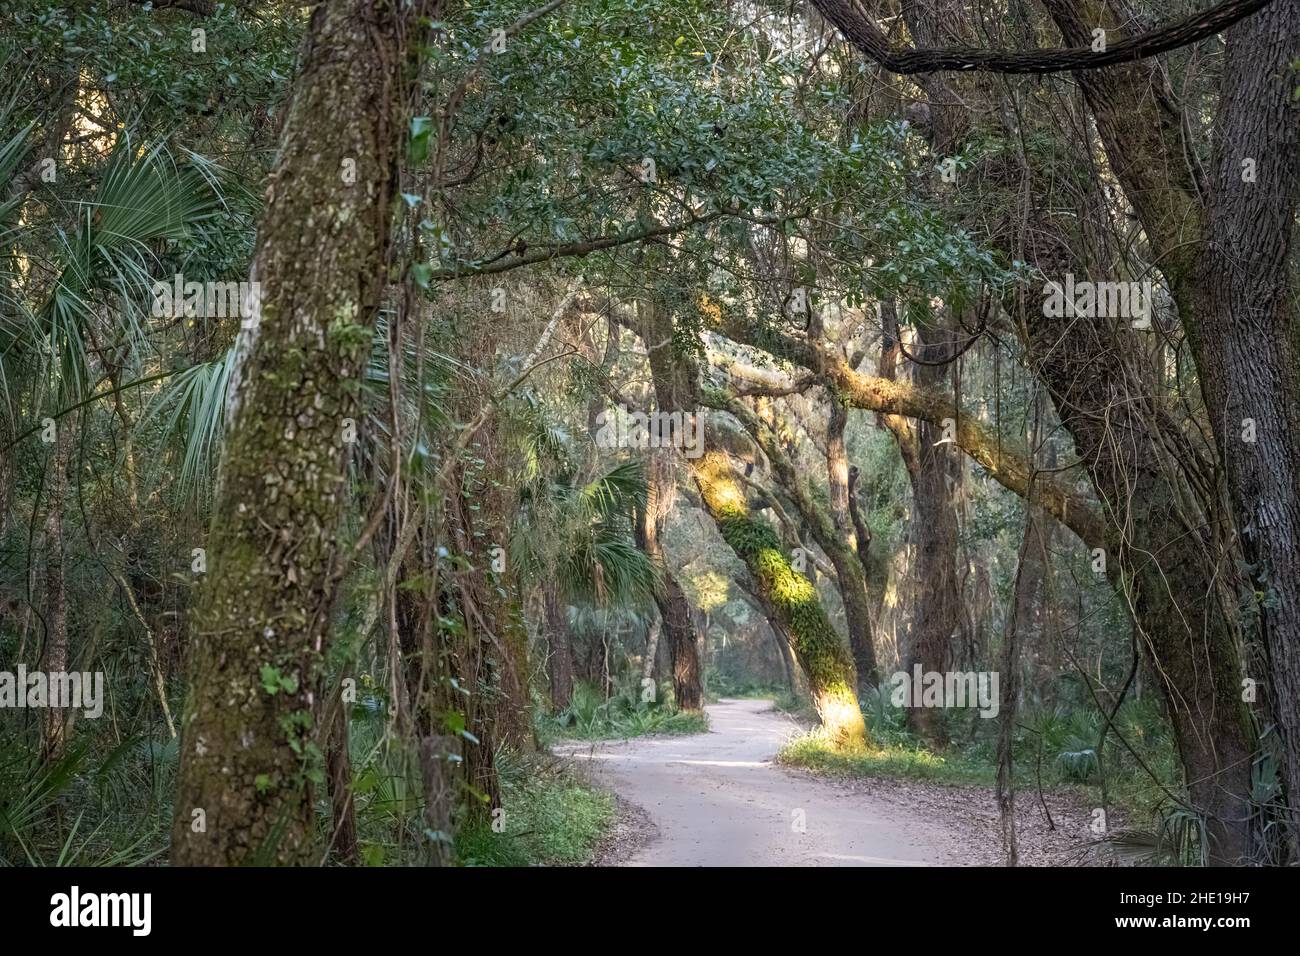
<point x="573" y="539"/>
<point x="76" y="327"/>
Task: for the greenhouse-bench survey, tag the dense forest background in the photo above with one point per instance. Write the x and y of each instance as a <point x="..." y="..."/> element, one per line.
<point x="391" y="389"/>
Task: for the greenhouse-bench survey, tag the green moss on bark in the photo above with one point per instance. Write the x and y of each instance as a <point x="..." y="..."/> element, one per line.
<point x="249" y="754"/>
<point x="791" y="598"/>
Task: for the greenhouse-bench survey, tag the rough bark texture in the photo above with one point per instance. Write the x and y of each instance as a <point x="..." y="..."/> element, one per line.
<point x="249" y="753"/>
<point x="932" y="471"/>
<point x="559" y="660"/>
<point x="1246" y="340"/>
<point x="851" y="567"/>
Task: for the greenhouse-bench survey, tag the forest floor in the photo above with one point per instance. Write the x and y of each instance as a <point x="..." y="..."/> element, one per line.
<point x="720" y="799"/>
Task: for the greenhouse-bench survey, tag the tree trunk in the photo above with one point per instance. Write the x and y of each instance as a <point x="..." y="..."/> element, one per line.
<point x="651" y="651"/>
<point x="789" y="599"/>
<point x="837" y="541"/>
<point x="1159" y="557"/>
<point x="559" y="660"/>
<point x="249" y="756"/>
<point x="55" y="656"/>
<point x="852" y="575"/>
<point x="672" y="390"/>
<point x="343" y="845"/>
<point x="515" y="719"/>
<point x="688" y="689"/>
<point x="1022" y="600"/>
<point x="439" y="785"/>
<point x="931" y="469"/>
<point x="1247" y="342"/>
<point x="1161" y="550"/>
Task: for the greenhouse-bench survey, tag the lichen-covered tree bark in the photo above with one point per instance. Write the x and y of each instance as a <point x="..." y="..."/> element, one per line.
<point x="835" y="539"/>
<point x="250" y="752"/>
<point x="789" y="598"/>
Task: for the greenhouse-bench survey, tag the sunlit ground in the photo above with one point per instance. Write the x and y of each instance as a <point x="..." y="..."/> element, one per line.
<point x="816" y="750"/>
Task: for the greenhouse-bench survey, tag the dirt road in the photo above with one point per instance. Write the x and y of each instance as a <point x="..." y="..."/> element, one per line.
<point x="718" y="799"/>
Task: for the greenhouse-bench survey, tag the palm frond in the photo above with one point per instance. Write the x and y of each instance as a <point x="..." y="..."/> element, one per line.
<point x="616" y="491"/>
<point x="194" y="406"/>
<point x="145" y="199"/>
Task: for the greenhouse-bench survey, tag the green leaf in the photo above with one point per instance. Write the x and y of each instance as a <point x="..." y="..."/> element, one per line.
<point x="421" y="127"/>
<point x="454" y="722"/>
<point x="270" y="679"/>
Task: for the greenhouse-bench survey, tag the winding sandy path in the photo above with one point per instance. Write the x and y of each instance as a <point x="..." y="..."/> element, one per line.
<point x="718" y="799"/>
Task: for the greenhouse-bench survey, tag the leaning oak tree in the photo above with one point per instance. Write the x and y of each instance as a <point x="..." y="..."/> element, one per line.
<point x="249" y="756"/>
<point x="788" y="598"/>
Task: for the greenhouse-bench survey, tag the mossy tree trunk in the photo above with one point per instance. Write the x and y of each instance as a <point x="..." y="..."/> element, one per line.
<point x="834" y="539"/>
<point x="250" y="753"/>
<point x="789" y="598"/>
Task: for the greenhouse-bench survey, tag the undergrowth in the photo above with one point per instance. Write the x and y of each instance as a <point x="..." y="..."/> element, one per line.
<point x="105" y="802"/>
<point x="591" y="717"/>
<point x="1054" y="749"/>
<point x="550" y="818"/>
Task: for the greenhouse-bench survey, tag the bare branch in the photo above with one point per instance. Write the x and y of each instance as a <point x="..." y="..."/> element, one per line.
<point x="860" y="29"/>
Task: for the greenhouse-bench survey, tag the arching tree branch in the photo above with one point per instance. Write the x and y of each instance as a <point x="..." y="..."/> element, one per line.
<point x="860" y="29"/>
<point x="888" y="397"/>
